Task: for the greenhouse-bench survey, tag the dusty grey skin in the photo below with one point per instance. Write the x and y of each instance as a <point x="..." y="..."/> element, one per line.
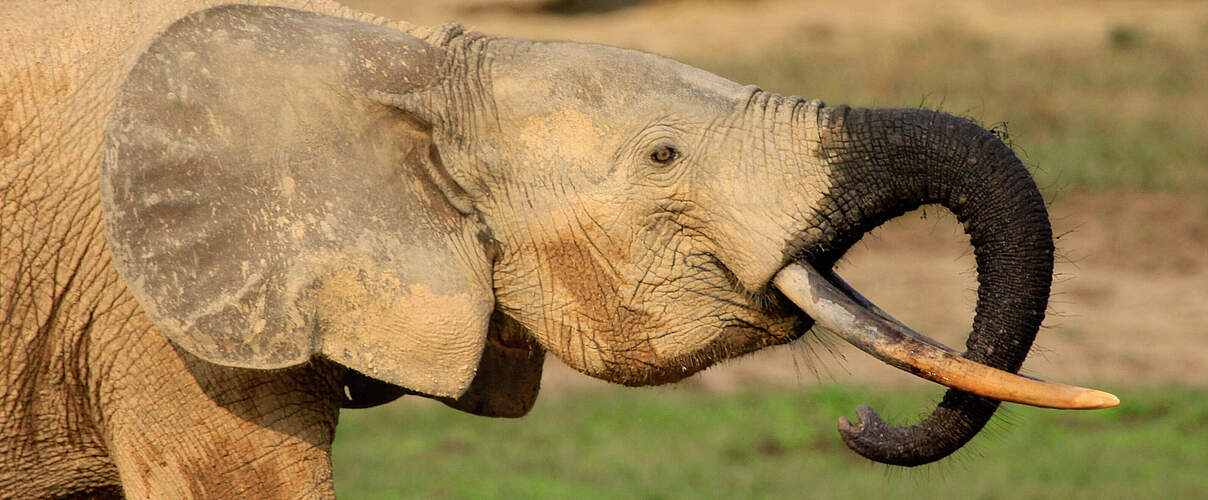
<point x="216" y="237"/>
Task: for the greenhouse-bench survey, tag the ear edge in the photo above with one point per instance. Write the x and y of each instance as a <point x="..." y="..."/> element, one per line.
<point x="417" y="105"/>
<point x="238" y="350"/>
<point x="509" y="374"/>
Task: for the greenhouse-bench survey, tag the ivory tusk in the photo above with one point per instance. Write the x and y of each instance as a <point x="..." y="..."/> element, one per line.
<point x="872" y="330"/>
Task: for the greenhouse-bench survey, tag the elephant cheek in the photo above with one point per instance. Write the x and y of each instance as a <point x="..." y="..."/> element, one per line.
<point x="602" y="334"/>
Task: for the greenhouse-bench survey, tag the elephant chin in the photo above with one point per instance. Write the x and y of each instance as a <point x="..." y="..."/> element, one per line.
<point x="833" y="304"/>
<point x="733" y="341"/>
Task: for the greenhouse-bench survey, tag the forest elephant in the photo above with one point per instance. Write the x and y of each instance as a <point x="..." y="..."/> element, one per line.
<point x="223" y="224"/>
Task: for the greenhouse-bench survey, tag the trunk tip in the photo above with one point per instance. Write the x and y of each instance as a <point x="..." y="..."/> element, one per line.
<point x="867" y="436"/>
<point x="865" y="417"/>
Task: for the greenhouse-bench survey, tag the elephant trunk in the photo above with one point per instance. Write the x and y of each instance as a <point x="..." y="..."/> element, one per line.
<point x="886" y="162"/>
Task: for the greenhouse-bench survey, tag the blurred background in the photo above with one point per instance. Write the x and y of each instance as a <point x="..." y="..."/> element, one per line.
<point x="1107" y="101"/>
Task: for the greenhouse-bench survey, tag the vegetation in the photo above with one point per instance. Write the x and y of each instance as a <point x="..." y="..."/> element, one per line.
<point x="667" y="443"/>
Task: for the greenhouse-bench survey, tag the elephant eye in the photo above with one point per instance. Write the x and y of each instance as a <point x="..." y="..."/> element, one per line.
<point x="664" y="155"/>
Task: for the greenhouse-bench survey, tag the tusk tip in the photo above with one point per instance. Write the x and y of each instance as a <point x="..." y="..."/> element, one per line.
<point x="1091" y="399"/>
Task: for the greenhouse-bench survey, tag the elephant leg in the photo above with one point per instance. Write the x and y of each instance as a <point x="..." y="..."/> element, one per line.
<point x="179" y="427"/>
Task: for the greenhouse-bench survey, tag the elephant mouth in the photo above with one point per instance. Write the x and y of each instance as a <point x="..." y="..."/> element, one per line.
<point x="833" y="304"/>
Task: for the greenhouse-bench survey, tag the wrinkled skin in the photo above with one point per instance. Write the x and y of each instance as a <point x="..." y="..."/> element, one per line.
<point x="642" y="268"/>
<point x="617" y="209"/>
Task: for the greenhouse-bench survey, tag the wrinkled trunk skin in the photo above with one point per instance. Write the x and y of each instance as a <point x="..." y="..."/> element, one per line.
<point x="887" y="162"/>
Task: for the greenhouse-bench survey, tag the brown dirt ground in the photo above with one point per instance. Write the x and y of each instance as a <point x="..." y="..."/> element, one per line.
<point x="690" y="29"/>
<point x="1130" y="302"/>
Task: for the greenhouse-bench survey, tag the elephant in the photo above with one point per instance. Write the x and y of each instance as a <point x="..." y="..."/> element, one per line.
<point x="222" y="224"/>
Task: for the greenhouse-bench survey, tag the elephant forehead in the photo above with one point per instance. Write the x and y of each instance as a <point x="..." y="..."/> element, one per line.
<point x="563" y="132"/>
<point x="612" y="83"/>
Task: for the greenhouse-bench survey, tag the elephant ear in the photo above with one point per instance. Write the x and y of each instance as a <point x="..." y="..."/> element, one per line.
<point x="263" y="207"/>
<point x="509" y="375"/>
<point x="506" y="384"/>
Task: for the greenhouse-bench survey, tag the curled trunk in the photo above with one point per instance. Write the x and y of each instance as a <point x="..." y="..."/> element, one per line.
<point x="887" y="162"/>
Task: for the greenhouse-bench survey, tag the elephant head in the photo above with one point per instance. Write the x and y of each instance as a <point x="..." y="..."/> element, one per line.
<point x="438" y="213"/>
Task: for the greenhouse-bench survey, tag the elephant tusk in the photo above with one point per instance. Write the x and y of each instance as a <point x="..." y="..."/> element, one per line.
<point x="872" y="330"/>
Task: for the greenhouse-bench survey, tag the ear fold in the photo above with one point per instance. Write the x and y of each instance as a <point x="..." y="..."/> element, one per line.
<point x="509" y="375"/>
<point x="506" y="384"/>
<point x="262" y="208"/>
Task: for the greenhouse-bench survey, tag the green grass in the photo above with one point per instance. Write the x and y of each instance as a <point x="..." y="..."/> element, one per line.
<point x="1126" y="114"/>
<point x="766" y="443"/>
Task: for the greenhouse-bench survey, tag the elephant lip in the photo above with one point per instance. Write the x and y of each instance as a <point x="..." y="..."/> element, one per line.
<point x="832" y="303"/>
